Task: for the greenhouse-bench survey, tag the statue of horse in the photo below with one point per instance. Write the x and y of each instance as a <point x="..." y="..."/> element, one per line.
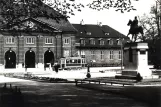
<point x="134" y="30"/>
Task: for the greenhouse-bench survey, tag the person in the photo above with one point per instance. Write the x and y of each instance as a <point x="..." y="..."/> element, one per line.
<point x="56" y="67"/>
<point x="135" y="22"/>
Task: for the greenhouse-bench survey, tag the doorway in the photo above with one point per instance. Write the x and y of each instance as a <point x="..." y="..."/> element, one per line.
<point x="10" y="59"/>
<point x="30" y="59"/>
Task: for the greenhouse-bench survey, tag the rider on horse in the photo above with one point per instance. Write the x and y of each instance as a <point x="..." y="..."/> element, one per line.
<point x="135" y="23"/>
<point x="134" y="28"/>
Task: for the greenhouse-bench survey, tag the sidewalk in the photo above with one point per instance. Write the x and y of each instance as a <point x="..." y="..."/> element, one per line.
<point x="148" y="94"/>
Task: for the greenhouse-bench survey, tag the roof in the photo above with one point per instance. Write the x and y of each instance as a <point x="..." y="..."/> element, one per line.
<point x="97" y="31"/>
<point x="47" y="16"/>
<point x="62" y="25"/>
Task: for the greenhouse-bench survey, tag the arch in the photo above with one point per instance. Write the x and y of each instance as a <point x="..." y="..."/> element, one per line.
<point x="30" y="59"/>
<point x="10" y="59"/>
<point x="49" y="57"/>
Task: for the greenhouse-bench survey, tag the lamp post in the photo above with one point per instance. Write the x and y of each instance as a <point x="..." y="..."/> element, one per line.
<point x="88" y="72"/>
<point x="121" y="55"/>
<point x="56" y="45"/>
<point x="121" y="45"/>
<point x="18" y="39"/>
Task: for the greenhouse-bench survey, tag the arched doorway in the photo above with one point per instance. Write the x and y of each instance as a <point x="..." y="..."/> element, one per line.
<point x="48" y="58"/>
<point x="10" y="59"/>
<point x="30" y="59"/>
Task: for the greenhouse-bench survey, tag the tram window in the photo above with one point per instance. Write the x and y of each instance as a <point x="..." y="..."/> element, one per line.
<point x="67" y="61"/>
<point x="71" y="61"/>
<point x="75" y="61"/>
<point x="82" y="60"/>
<point x="79" y="60"/>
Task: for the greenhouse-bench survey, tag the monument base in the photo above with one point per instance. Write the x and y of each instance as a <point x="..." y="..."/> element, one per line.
<point x="146" y="75"/>
<point x="136" y="60"/>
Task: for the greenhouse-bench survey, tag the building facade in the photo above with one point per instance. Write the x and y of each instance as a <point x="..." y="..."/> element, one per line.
<point x="37" y="41"/>
<point x="100" y="44"/>
<point x="33" y="47"/>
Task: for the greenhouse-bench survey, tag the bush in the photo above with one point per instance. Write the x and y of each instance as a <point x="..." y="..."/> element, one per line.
<point x="139" y="78"/>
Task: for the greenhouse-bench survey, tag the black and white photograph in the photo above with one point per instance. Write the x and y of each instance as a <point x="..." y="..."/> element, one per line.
<point x="80" y="53"/>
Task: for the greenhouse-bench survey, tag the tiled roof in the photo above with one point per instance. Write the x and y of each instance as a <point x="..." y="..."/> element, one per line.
<point x="57" y="21"/>
<point x="97" y="31"/>
<point x="62" y="25"/>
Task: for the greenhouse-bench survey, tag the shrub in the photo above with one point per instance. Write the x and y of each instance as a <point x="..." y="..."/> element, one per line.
<point x="139" y="78"/>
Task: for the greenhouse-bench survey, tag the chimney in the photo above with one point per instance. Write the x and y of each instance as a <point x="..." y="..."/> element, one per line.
<point x="99" y="23"/>
<point x="82" y="22"/>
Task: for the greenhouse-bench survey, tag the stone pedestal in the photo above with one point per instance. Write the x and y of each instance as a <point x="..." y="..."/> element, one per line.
<point x="136" y="59"/>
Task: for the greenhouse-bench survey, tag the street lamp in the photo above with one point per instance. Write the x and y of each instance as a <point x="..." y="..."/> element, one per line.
<point x="56" y="37"/>
<point x="121" y="43"/>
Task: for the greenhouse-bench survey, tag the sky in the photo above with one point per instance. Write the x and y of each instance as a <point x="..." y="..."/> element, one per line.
<point x="116" y="20"/>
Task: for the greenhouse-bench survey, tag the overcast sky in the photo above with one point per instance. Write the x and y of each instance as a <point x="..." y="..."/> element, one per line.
<point x="116" y="20"/>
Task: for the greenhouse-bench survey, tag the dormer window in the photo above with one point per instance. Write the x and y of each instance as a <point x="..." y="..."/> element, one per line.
<point x="82" y="41"/>
<point x="118" y="41"/>
<point x="101" y="42"/>
<point x="88" y="33"/>
<point x="110" y="42"/>
<point x="107" y="34"/>
<point x="92" y="41"/>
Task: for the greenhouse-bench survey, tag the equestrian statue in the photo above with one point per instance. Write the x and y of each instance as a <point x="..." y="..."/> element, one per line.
<point x="134" y="29"/>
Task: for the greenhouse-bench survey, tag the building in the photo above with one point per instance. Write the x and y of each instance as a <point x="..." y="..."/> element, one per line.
<point x="33" y="41"/>
<point x="101" y="45"/>
<point x="38" y="41"/>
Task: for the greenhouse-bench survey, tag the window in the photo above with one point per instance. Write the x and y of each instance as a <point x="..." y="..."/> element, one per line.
<point x="92" y="41"/>
<point x="30" y="40"/>
<point x="111" y="54"/>
<point x="83" y="61"/>
<point x="119" y="55"/>
<point x="102" y="54"/>
<point x="118" y="42"/>
<point x="10" y="40"/>
<point x="107" y="33"/>
<point x="101" y="42"/>
<point x="92" y="55"/>
<point x="48" y="40"/>
<point x="79" y="60"/>
<point x="110" y="41"/>
<point x="66" y="53"/>
<point x="82" y="41"/>
<point x="66" y="40"/>
<point x="67" y="61"/>
<point x="82" y="54"/>
<point x="88" y="33"/>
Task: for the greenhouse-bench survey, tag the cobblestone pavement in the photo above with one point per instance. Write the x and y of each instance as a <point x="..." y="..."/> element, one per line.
<point x="37" y="94"/>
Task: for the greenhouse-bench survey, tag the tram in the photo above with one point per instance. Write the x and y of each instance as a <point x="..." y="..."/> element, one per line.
<point x="72" y="63"/>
